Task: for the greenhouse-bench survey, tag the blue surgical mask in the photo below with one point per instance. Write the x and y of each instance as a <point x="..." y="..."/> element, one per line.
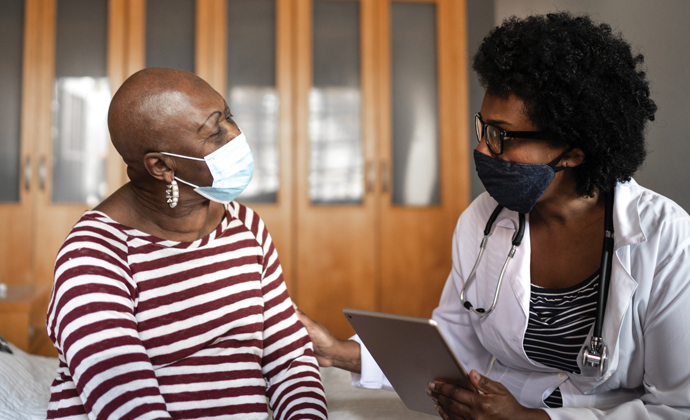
<point x="516" y="186"/>
<point x="231" y="166"/>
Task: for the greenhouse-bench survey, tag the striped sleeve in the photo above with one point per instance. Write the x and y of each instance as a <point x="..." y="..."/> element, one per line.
<point x="104" y="369"/>
<point x="289" y="366"/>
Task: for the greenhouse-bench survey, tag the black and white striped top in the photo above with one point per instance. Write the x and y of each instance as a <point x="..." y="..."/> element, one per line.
<point x="559" y="322"/>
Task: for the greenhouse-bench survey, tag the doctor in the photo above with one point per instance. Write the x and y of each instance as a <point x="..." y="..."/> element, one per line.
<point x="561" y="132"/>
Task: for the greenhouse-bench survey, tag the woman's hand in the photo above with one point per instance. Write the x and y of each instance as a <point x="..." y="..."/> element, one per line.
<point x="328" y="349"/>
<point x="494" y="402"/>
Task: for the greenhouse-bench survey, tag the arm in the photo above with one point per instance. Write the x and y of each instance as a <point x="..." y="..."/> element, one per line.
<point x="289" y="366"/>
<point x="329" y="350"/>
<point x="353" y="356"/>
<point x="350" y="355"/>
<point x="91" y="321"/>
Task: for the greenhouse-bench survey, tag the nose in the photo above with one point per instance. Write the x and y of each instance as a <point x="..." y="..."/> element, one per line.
<point x="233" y="131"/>
<point x="482" y="147"/>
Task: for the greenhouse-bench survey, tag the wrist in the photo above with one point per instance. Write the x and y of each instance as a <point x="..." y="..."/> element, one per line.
<point x="347" y="356"/>
<point x="535" y="414"/>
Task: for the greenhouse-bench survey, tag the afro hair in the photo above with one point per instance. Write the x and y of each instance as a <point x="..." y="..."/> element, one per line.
<point x="579" y="81"/>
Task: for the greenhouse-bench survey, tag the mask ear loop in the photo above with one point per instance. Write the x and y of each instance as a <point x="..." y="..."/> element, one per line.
<point x="182" y="156"/>
<point x="553" y="163"/>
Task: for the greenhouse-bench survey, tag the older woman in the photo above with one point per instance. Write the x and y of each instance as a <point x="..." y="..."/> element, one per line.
<point x="169" y="300"/>
<point x="561" y="132"/>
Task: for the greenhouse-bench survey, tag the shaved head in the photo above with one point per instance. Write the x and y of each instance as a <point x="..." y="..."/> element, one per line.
<point x="144" y="108"/>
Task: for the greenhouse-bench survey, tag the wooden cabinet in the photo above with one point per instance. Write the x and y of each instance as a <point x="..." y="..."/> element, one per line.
<point x="23" y="318"/>
<point x="51" y="197"/>
<point x="388" y="249"/>
<point x="371" y="243"/>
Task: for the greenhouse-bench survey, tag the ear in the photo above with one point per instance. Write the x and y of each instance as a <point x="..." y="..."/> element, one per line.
<point x="574" y="158"/>
<point x="160" y="166"/>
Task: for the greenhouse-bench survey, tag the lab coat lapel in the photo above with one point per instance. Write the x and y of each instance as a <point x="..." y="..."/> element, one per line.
<point x="622" y="286"/>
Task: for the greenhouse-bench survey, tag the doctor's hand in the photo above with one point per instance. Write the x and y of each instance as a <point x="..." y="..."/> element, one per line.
<point x="328" y="349"/>
<point x="494" y="402"/>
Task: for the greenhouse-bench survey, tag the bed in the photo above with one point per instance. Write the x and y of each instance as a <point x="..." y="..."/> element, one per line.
<point x="25" y="390"/>
<point x="25" y="384"/>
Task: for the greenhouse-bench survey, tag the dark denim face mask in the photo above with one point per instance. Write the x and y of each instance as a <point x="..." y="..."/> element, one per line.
<point x="516" y="186"/>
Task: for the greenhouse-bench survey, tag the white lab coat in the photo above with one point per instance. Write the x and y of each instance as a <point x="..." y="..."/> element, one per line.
<point x="646" y="326"/>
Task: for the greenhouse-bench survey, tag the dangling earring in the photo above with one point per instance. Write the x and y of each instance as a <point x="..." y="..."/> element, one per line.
<point x="172" y="194"/>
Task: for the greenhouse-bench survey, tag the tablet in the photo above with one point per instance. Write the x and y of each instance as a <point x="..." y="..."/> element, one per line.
<point x="411" y="352"/>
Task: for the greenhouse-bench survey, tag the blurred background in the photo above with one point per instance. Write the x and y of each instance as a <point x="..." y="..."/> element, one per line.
<point x="358" y="113"/>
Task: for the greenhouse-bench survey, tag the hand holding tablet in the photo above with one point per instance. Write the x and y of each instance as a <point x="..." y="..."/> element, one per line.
<point x="411" y="352"/>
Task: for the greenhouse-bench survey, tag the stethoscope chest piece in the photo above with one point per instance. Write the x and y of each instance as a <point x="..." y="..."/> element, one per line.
<point x="594" y="358"/>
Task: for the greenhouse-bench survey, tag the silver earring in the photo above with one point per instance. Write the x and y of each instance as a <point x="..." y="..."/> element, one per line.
<point x="172" y="194"/>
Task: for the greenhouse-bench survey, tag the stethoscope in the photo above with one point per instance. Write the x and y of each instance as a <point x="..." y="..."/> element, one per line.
<point x="595" y="356"/>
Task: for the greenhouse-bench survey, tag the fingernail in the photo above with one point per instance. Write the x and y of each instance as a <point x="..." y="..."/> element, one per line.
<point x="431" y="386"/>
<point x="434" y="400"/>
<point x="428" y="392"/>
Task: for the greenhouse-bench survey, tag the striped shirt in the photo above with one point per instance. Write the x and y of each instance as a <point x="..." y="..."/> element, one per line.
<point x="559" y="322"/>
<point x="148" y="328"/>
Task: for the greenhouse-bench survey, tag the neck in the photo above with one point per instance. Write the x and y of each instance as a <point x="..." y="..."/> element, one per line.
<point x="563" y="206"/>
<point x="192" y="218"/>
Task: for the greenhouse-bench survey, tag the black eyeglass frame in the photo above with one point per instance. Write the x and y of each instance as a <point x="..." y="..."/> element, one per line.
<point x="503" y="134"/>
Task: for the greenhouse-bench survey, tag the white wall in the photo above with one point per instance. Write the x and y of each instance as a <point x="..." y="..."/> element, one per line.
<point x="660" y="30"/>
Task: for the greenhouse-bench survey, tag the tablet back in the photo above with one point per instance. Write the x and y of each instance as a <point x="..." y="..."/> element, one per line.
<point x="411" y="352"/>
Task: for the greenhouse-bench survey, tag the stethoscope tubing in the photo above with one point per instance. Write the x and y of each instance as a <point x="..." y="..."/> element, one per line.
<point x="515" y="242"/>
<point x="595" y="355"/>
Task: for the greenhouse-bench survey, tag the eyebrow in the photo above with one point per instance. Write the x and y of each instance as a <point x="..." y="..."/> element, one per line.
<point x="209" y="117"/>
<point x="498" y="122"/>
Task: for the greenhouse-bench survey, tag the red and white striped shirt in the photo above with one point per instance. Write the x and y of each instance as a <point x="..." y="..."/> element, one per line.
<point x="148" y="328"/>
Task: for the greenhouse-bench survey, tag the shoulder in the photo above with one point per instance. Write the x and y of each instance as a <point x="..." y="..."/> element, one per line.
<point x="96" y="229"/>
<point x="655" y="214"/>
<point x="96" y="246"/>
<point x="653" y="232"/>
<point x="249" y="218"/>
<point x="95" y="243"/>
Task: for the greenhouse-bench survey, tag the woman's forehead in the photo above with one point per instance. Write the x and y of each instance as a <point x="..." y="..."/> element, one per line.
<point x="508" y="111"/>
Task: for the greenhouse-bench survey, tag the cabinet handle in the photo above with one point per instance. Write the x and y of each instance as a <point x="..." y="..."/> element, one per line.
<point x="385" y="177"/>
<point x="42" y="173"/>
<point x="371" y="176"/>
<point x="27" y="173"/>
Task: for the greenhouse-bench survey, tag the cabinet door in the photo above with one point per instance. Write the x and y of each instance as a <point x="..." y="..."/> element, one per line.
<point x="423" y="147"/>
<point x="244" y="50"/>
<point x="380" y="243"/>
<point x="337" y="246"/>
<point x="17" y="161"/>
<point x="71" y="102"/>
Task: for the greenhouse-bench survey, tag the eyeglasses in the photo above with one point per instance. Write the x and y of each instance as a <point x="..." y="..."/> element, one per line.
<point x="495" y="136"/>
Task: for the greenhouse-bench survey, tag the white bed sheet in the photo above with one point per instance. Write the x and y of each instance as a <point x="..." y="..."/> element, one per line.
<point x="25" y="384"/>
<point x="25" y="390"/>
